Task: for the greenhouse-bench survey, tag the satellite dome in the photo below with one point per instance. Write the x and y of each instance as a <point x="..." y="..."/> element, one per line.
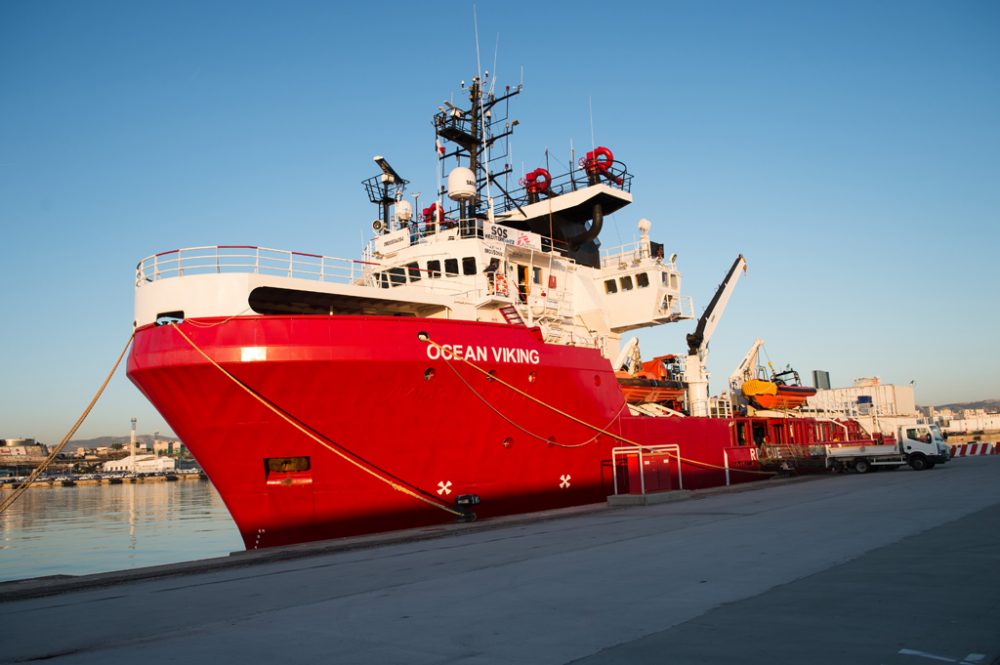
<point x="461" y="184"/>
<point x="404" y="211"/>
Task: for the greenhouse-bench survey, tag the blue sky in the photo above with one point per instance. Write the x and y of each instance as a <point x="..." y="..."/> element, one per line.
<point x="851" y="150"/>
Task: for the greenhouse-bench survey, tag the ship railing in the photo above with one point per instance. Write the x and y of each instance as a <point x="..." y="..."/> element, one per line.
<point x="628" y="254"/>
<point x="250" y="259"/>
<point x="680" y="308"/>
<point x="616" y="177"/>
<point x="469" y="227"/>
<point x="647" y="465"/>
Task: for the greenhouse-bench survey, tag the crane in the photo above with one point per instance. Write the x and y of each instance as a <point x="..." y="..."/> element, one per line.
<point x="746" y="370"/>
<point x="694" y="366"/>
<point x="747" y="367"/>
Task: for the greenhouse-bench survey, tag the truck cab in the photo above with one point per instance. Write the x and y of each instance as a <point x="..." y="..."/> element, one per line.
<point x="923" y="446"/>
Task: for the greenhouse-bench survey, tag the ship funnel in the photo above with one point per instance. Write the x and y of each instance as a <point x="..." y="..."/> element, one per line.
<point x="461" y="184"/>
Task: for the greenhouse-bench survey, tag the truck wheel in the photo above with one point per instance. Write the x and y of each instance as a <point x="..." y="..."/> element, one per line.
<point x="862" y="466"/>
<point x="918" y="463"/>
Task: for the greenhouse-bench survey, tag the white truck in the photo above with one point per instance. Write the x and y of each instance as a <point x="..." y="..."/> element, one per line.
<point x="920" y="446"/>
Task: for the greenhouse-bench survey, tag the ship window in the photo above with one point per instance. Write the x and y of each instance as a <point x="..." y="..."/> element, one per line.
<point x="434" y="268"/>
<point x="536" y="275"/>
<point x="673" y="280"/>
<point x="642" y="280"/>
<point x="469" y="265"/>
<point x="664" y="278"/>
<point x="450" y="267"/>
<point x="414" y="270"/>
<point x="383" y="280"/>
<point x="610" y="286"/>
<point x="627" y="283"/>
<point x="397" y="276"/>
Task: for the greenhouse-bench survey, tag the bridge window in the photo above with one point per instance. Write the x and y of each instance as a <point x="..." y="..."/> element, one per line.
<point x="669" y="279"/>
<point x="610" y="286"/>
<point x="627" y="283"/>
<point x="451" y="267"/>
<point x="469" y="265"/>
<point x="642" y="280"/>
<point x="414" y="270"/>
<point x="434" y="268"/>
<point x="536" y="275"/>
<point x="397" y="276"/>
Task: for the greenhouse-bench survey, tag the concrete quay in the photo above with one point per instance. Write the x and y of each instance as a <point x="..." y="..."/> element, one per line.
<point x="889" y="567"/>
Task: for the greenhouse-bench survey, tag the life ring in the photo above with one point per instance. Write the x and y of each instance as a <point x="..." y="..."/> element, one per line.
<point x="431" y="213"/>
<point x="500" y="285"/>
<point x="537" y="181"/>
<point x="598" y="160"/>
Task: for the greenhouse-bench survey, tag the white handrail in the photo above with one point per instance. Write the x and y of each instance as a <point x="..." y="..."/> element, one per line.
<point x="250" y="259"/>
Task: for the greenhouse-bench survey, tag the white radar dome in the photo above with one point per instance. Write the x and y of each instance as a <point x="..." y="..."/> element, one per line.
<point x="404" y="211"/>
<point x="461" y="184"/>
<point x="644" y="226"/>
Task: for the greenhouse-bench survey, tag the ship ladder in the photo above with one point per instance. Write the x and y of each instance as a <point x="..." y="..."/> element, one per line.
<point x="511" y="315"/>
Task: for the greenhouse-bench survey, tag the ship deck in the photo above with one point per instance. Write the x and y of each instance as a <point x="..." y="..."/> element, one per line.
<point x="891" y="567"/>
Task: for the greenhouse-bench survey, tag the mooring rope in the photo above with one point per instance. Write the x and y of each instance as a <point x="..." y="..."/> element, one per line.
<point x="33" y="476"/>
<point x="424" y="337"/>
<point x="394" y="484"/>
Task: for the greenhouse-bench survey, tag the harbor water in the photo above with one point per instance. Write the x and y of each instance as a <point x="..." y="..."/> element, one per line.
<point x="82" y="530"/>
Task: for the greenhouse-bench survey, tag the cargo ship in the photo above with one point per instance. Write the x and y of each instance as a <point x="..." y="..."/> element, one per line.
<point x="470" y="363"/>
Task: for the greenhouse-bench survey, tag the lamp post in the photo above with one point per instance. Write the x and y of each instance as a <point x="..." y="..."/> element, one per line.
<point x="132" y="448"/>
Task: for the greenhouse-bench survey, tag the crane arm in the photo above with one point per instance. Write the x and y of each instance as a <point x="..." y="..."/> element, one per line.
<point x="749" y="360"/>
<point x="698" y="340"/>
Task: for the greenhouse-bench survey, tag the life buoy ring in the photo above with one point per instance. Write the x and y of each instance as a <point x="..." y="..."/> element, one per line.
<point x="431" y="214"/>
<point x="500" y="285"/>
<point x="537" y="181"/>
<point x="598" y="160"/>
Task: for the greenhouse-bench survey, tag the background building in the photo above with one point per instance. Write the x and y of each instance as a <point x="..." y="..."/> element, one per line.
<point x="143" y="464"/>
<point x="868" y="394"/>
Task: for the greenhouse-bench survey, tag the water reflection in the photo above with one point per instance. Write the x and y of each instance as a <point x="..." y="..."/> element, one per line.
<point x="79" y="530"/>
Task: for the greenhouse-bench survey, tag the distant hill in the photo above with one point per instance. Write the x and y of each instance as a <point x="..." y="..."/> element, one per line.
<point x="989" y="405"/>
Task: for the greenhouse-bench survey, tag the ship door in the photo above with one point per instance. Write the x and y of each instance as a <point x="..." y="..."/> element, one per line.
<point x="778" y="433"/>
<point x="522" y="283"/>
<point x="739" y="433"/>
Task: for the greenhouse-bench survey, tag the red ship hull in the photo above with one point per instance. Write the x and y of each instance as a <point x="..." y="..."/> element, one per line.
<point x="371" y="389"/>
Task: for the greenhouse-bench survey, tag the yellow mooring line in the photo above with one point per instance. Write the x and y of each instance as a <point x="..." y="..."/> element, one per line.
<point x="9" y="501"/>
<point x="347" y="458"/>
<point x="424" y="337"/>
